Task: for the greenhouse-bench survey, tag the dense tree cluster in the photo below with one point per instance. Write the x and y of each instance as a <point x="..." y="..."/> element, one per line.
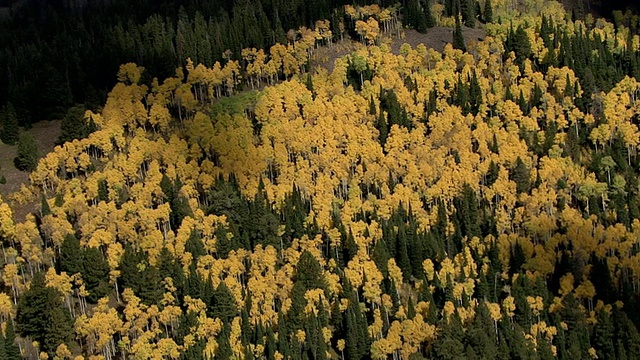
<point x="456" y="204"/>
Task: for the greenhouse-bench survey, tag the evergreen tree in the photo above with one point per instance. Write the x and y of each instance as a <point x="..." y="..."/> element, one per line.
<point x="521" y="45"/>
<point x="150" y="288"/>
<point x="488" y="12"/>
<point x="9" y="134"/>
<point x="27" y="157"/>
<point x="458" y="38"/>
<point x="42" y="316"/>
<point x="430" y="21"/>
<point x="224" y="305"/>
<point x="73" y="125"/>
<point x="71" y="256"/>
<point x="95" y="274"/>
<point x="12" y="350"/>
<point x="521" y="176"/>
<point x="468" y="10"/>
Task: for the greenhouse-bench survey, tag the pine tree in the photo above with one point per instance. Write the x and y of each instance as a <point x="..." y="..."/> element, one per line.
<point x="95" y="274"/>
<point x="9" y="134"/>
<point x="73" y="125"/>
<point x="42" y="316"/>
<point x="488" y="12"/>
<point x="224" y="305"/>
<point x="3" y="351"/>
<point x="430" y="20"/>
<point x="468" y="10"/>
<point x="11" y="348"/>
<point x="458" y="38"/>
<point x="71" y="256"/>
<point x="27" y="157"/>
<point x="521" y="176"/>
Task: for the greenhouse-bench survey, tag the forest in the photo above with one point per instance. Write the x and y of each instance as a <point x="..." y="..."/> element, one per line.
<point x="229" y="198"/>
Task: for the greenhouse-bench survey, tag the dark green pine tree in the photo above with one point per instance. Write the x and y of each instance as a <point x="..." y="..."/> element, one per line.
<point x="488" y="12"/>
<point x="224" y="305"/>
<point x="402" y="253"/>
<point x="129" y="271"/>
<point x="45" y="209"/>
<point x="383" y="129"/>
<point x="95" y="274"/>
<point x="42" y="316"/>
<point x="169" y="267"/>
<point x="430" y="20"/>
<point x="522" y="103"/>
<point x="27" y="156"/>
<point x="521" y="176"/>
<point x="468" y="10"/>
<point x="475" y="94"/>
<point x="103" y="190"/>
<point x="462" y="96"/>
<point x="71" y="255"/>
<point x="12" y="350"/>
<point x="3" y="351"/>
<point x="372" y="106"/>
<point x="458" y="38"/>
<point x="224" y="350"/>
<point x="73" y="125"/>
<point x="151" y="288"/>
<point x="194" y="244"/>
<point x="492" y="174"/>
<point x="9" y="134"/>
<point x="521" y="45"/>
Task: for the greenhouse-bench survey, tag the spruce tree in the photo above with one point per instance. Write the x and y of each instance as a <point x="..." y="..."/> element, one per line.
<point x="224" y="305"/>
<point x="42" y="316"/>
<point x="458" y="38"/>
<point x="521" y="176"/>
<point x="95" y="274"/>
<point x="73" y="125"/>
<point x="11" y="348"/>
<point x="27" y="157"/>
<point x="430" y="20"/>
<point x="71" y="260"/>
<point x="468" y="10"/>
<point x="9" y="134"/>
<point x="488" y="12"/>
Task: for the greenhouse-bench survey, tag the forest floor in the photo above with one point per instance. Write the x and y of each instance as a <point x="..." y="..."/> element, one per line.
<point x="436" y="38"/>
<point x="46" y="133"/>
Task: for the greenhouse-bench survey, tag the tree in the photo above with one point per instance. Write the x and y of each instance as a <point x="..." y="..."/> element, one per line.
<point x="27" y="157"/>
<point x="488" y="12"/>
<point x="468" y="10"/>
<point x="458" y="38"/>
<point x="223" y="304"/>
<point x="42" y="316"/>
<point x="9" y="134"/>
<point x="521" y="176"/>
<point x="71" y="259"/>
<point x="73" y="125"/>
<point x="95" y="273"/>
<point x="12" y="350"/>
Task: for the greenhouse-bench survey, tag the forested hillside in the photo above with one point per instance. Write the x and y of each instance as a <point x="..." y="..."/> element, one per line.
<point x="79" y="45"/>
<point x="475" y="203"/>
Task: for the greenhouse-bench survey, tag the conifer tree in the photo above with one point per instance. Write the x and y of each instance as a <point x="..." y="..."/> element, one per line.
<point x="458" y="38"/>
<point x="42" y="316"/>
<point x="12" y="350"/>
<point x="488" y="12"/>
<point x="27" y="156"/>
<point x="430" y="20"/>
<point x="468" y="12"/>
<point x="95" y="274"/>
<point x="9" y="134"/>
<point x="71" y="256"/>
<point x="73" y="125"/>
